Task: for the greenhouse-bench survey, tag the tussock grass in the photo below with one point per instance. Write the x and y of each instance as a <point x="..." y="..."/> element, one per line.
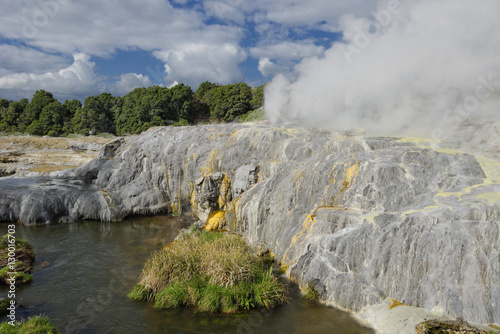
<point x="213" y="272"/>
<point x="35" y="325"/>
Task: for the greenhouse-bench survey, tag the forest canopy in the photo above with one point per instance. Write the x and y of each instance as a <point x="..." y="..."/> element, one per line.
<point x="133" y="113"/>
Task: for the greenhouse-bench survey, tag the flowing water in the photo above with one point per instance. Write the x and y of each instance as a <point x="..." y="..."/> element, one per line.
<point x="84" y="270"/>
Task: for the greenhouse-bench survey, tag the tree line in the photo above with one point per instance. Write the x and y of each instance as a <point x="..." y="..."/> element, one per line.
<point x="133" y="113"/>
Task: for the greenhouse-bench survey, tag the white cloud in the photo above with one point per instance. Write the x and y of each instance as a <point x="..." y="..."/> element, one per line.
<point x="101" y="28"/>
<point x="127" y="83"/>
<point x="76" y="79"/>
<point x="296" y="13"/>
<point x="192" y="49"/>
<point x="287" y="50"/>
<point x="417" y="68"/>
<point x="98" y="27"/>
<point x="292" y="13"/>
<point x="269" y="69"/>
<point x="224" y="11"/>
<point x="15" y="59"/>
<point x="194" y="63"/>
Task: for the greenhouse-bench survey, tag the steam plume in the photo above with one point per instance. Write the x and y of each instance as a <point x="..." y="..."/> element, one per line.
<point x="412" y="66"/>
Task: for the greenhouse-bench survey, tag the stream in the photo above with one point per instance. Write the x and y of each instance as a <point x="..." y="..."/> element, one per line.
<point x="84" y="270"/>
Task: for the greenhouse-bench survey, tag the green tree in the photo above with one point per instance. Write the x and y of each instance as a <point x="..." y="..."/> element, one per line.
<point x="229" y="101"/>
<point x="96" y="115"/>
<point x="12" y="116"/>
<point x="257" y="97"/>
<point x="204" y="88"/>
<point x="181" y="98"/>
<point x="34" y="108"/>
<point x="52" y="119"/>
<point x="4" y="104"/>
<point x="71" y="107"/>
<point x="143" y="108"/>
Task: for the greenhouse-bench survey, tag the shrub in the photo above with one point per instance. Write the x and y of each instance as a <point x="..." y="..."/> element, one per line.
<point x="254" y="115"/>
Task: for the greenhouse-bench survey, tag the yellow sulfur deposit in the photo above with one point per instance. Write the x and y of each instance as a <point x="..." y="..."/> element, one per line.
<point x="215" y="221"/>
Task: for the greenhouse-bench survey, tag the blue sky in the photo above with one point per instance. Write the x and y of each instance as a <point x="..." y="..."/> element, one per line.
<point x="79" y="48"/>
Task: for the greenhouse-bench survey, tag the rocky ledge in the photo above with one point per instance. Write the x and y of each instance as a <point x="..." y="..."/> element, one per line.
<point x="358" y="219"/>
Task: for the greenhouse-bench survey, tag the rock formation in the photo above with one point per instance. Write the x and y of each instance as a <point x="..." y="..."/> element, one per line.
<point x="356" y="218"/>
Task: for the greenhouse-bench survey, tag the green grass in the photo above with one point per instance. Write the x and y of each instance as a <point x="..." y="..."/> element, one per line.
<point x="19" y="276"/>
<point x="311" y="294"/>
<point x="35" y="325"/>
<point x="20" y="243"/>
<point x="209" y="271"/>
<point x="24" y="260"/>
<point x="4" y="304"/>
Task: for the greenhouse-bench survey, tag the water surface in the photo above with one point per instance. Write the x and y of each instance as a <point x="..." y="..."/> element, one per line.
<point x="84" y="271"/>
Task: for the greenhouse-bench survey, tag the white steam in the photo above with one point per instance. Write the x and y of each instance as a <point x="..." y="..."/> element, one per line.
<point x="412" y="66"/>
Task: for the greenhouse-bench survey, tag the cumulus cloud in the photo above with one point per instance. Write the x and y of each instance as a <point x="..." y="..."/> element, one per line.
<point x="129" y="82"/>
<point x="288" y="50"/>
<point x="17" y="59"/>
<point x="77" y="80"/>
<point x="181" y="33"/>
<point x="269" y="69"/>
<point x="197" y="62"/>
<point x="96" y="27"/>
<point x="225" y="11"/>
<point x="102" y="28"/>
<point x="418" y="66"/>
<point x="294" y="13"/>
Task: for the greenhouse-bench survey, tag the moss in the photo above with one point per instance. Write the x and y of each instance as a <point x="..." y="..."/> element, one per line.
<point x="212" y="272"/>
<point x="35" y="325"/>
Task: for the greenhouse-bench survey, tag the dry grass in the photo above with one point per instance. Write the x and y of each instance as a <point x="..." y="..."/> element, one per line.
<point x="50" y="143"/>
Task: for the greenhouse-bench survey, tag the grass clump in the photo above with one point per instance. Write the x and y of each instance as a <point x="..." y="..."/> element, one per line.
<point x="452" y="326"/>
<point x="24" y="257"/>
<point x="4" y="304"/>
<point x="210" y="271"/>
<point x="34" y="325"/>
<point x="311" y="294"/>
